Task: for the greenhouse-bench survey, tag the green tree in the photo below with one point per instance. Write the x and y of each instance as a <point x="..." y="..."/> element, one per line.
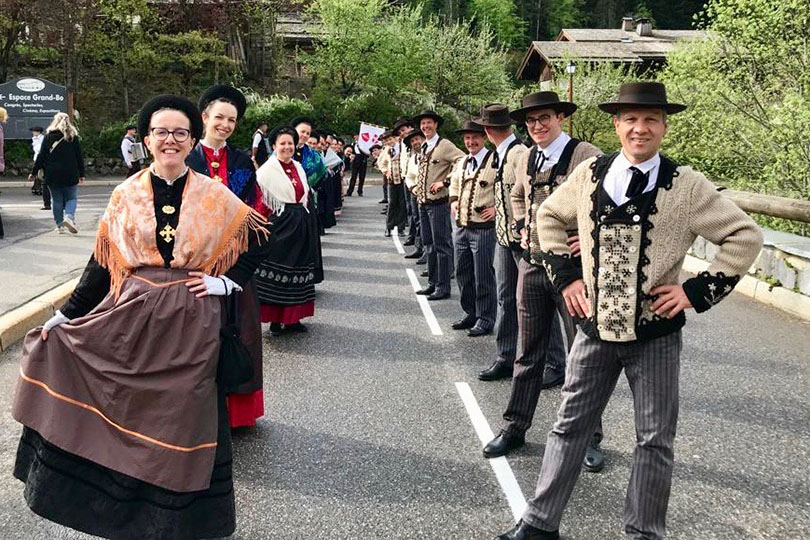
<point x="501" y="15"/>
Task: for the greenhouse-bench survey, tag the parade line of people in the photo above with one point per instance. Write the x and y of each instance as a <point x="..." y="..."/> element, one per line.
<point x="569" y="255"/>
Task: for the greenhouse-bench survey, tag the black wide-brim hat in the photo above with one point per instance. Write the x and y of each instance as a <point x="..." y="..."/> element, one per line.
<point x="542" y="100"/>
<point x="427" y="114"/>
<point x="645" y="94"/>
<point x="494" y="115"/>
<point x="409" y="137"/>
<point x="40" y="129"/>
<point x="177" y="103"/>
<point x="282" y="130"/>
<point x="470" y="126"/>
<point x="295" y="122"/>
<point x="224" y="91"/>
<point x="401" y="123"/>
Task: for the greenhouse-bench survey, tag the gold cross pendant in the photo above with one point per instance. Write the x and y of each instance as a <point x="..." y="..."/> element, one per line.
<point x="168" y="233"/>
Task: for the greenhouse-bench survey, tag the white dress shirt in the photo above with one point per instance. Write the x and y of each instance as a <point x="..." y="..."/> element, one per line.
<point x="473" y="165"/>
<point x="619" y="175"/>
<point x="36" y="144"/>
<point x="126" y="150"/>
<point x="257" y="139"/>
<point x="553" y="151"/>
<point x="501" y="149"/>
<point x="431" y="143"/>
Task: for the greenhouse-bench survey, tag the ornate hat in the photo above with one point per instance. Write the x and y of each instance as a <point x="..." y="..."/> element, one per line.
<point x="401" y="122"/>
<point x="283" y="130"/>
<point x="228" y="93"/>
<point x="642" y="94"/>
<point x="471" y="126"/>
<point x="170" y="101"/>
<point x="494" y="115"/>
<point x="542" y="100"/>
<point x="427" y="114"/>
<point x="409" y="137"/>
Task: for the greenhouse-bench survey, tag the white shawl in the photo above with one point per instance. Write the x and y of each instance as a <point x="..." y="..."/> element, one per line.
<point x="277" y="188"/>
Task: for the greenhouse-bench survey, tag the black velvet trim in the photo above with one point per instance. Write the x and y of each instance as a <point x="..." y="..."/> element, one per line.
<point x="562" y="270"/>
<point x="519" y="225"/>
<point x="651" y="330"/>
<point x="706" y="289"/>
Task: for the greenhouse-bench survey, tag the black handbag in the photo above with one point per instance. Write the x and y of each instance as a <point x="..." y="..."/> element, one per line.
<point x="235" y="365"/>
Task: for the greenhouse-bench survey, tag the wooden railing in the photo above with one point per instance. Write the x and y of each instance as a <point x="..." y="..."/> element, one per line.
<point x="770" y="205"/>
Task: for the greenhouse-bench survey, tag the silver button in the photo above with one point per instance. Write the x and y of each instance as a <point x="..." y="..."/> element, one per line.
<point x="632" y="270"/>
<point x="602" y="269"/>
<point x="631" y="290"/>
<point x="636" y="218"/>
<point x="600" y="327"/>
<point x="531" y="244"/>
<point x="636" y="228"/>
<point x="632" y="249"/>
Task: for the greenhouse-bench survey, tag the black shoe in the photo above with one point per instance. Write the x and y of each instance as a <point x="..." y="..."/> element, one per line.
<point x="387" y="233"/>
<point x="503" y="444"/>
<point x="408" y="243"/>
<point x="45" y="208"/>
<point x="476" y="331"/>
<point x="414" y="255"/>
<point x="498" y="370"/>
<point x="425" y="274"/>
<point x="384" y="211"/>
<point x="524" y="531"/>
<point x="552" y="379"/>
<point x="349" y="194"/>
<point x="438" y="296"/>
<point x="297" y="327"/>
<point x="465" y="323"/>
<point x="422" y="260"/>
<point x="594" y="459"/>
<point x="427" y="291"/>
<point x="276" y="329"/>
<point x="359" y="193"/>
<point x="384" y="201"/>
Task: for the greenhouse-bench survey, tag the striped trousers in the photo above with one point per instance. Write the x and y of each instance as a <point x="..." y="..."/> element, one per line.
<point x="437" y="239"/>
<point x="506" y="276"/>
<point x="474" y="250"/>
<point x="413" y="221"/>
<point x="652" y="369"/>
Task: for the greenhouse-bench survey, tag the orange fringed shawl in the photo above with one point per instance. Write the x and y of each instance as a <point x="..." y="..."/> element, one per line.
<point x="212" y="231"/>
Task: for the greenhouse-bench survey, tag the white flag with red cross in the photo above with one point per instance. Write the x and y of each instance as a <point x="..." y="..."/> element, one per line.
<point x="369" y="136"/>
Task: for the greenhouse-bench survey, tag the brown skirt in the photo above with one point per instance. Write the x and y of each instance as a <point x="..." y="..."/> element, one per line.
<point x="131" y="386"/>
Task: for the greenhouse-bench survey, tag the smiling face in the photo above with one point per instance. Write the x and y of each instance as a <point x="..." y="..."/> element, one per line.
<point x="429" y="127"/>
<point x="284" y="147"/>
<point x="544" y="126"/>
<point x="641" y="132"/>
<point x="220" y="121"/>
<point x="170" y="154"/>
<point x="304" y="131"/>
<point x="474" y="142"/>
<point x="416" y="143"/>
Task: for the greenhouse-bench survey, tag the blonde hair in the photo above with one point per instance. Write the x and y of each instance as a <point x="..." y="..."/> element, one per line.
<point x="61" y="122"/>
<point x="3" y="114"/>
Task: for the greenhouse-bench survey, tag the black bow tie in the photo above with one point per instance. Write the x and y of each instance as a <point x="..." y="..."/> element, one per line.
<point x="637" y="183"/>
<point x="424" y="148"/>
<point x="496" y="161"/>
<point x="470" y="159"/>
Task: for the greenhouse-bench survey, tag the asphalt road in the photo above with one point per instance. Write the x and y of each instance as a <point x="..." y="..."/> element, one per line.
<point x="366" y="435"/>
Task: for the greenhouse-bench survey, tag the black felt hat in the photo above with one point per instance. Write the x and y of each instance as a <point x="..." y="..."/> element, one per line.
<point x="409" y="137"/>
<point x="36" y="128"/>
<point x="302" y="120"/>
<point x="401" y="122"/>
<point x="471" y="127"/>
<point x="170" y="101"/>
<point x="427" y="114"/>
<point x="282" y="130"/>
<point x="542" y="100"/>
<point x="129" y="126"/>
<point x="646" y="94"/>
<point x="228" y="93"/>
<point x="494" y="115"/>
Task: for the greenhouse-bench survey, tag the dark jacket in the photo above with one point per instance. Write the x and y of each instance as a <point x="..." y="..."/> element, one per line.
<point x="63" y="164"/>
<point x="241" y="171"/>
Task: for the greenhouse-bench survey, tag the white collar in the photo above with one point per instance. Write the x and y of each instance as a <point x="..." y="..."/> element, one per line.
<point x="169" y="182"/>
<point x="433" y="141"/>
<point x="479" y="156"/>
<point x="622" y="163"/>
<point x="555" y="149"/>
<point x="501" y="149"/>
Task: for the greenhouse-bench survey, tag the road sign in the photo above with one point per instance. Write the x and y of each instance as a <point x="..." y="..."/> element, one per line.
<point x="30" y="102"/>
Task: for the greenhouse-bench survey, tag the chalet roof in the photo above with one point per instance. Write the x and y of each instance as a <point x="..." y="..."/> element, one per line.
<point x="295" y="26"/>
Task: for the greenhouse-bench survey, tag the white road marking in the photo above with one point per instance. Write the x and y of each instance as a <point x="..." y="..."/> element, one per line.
<point x="503" y="472"/>
<point x="397" y="243"/>
<point x="423" y="303"/>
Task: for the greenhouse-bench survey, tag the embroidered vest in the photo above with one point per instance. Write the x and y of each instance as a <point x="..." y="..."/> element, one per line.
<point x="503" y="205"/>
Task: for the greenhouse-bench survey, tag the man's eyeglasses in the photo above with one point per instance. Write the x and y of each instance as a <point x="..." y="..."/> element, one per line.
<point x="543" y="120"/>
<point x="161" y="134"/>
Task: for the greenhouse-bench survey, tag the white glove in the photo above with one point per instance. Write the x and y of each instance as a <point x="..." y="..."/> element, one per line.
<point x="53" y="322"/>
<point x="207" y="285"/>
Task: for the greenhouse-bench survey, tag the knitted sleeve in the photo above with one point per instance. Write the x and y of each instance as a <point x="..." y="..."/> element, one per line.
<point x="452" y="154"/>
<point x="720" y="221"/>
<point x="518" y="195"/>
<point x="557" y="214"/>
<point x="456" y="176"/>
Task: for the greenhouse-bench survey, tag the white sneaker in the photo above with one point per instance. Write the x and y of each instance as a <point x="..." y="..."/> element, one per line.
<point x="61" y="230"/>
<point x="70" y="226"/>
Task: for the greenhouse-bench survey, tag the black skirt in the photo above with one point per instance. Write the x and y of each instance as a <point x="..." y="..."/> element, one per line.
<point x="85" y="496"/>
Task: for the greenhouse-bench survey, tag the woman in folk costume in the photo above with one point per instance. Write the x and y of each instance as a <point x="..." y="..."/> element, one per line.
<point x="314" y="168"/>
<point x="285" y="279"/>
<point x="126" y="433"/>
<point x="222" y="107"/>
<point x="328" y="194"/>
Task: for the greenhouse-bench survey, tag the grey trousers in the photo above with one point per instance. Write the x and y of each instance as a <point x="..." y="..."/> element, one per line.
<point x="540" y="344"/>
<point x="474" y="253"/>
<point x="506" y="276"/>
<point x="437" y="239"/>
<point x="413" y="221"/>
<point x="652" y="369"/>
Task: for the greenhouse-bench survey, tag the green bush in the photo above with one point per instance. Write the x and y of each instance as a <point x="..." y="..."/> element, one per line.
<point x="103" y="143"/>
<point x="275" y="110"/>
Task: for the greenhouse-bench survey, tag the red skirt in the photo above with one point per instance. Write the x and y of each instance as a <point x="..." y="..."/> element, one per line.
<point x="273" y="313"/>
<point x="244" y="409"/>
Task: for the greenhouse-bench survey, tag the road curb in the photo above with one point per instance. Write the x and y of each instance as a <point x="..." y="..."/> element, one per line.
<point x="86" y="183"/>
<point x="781" y="298"/>
<point x="18" y="322"/>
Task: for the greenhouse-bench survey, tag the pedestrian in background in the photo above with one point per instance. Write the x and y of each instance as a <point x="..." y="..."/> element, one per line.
<point x="38" y="188"/>
<point x="3" y="118"/>
<point x="62" y="161"/>
<point x="127" y="144"/>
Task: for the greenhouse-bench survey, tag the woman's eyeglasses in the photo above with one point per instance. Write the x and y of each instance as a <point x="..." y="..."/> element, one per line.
<point x="161" y="134"/>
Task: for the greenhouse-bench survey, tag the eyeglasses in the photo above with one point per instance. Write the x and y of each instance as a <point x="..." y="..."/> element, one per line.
<point x="543" y="120"/>
<point x="161" y="134"/>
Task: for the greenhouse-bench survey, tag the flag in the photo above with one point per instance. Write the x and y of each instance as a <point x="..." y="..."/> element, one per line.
<point x="369" y="136"/>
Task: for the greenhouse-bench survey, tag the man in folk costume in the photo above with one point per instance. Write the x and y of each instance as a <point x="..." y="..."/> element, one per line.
<point x="508" y="149"/>
<point x="540" y="361"/>
<point x="384" y="165"/>
<point x="397" y="214"/>
<point x="472" y="205"/>
<point x="637" y="213"/>
<point x="259" y="147"/>
<point x="403" y="128"/>
<point x="437" y="157"/>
